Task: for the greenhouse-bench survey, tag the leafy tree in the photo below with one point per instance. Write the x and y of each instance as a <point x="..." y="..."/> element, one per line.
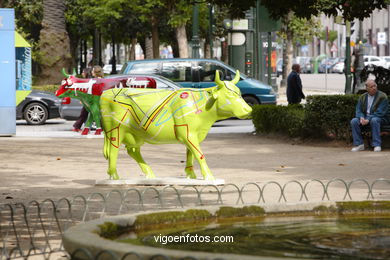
<point x="349" y="9"/>
<point x="328" y="36"/>
<point x="295" y="29"/>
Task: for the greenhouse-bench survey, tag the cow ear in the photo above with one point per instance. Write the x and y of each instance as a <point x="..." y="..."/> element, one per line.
<point x="236" y="78"/>
<point x="212" y="99"/>
<point x="218" y="80"/>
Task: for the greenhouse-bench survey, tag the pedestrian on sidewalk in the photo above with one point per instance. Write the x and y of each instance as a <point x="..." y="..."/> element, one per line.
<point x="294" y="86"/>
<point x="371" y="110"/>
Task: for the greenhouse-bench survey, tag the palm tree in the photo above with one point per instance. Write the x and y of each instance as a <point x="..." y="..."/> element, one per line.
<point x="54" y="43"/>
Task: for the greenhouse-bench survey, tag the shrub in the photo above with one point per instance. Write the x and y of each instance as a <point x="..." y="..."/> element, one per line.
<point x="330" y="115"/>
<point x="288" y="120"/>
<point x="322" y="116"/>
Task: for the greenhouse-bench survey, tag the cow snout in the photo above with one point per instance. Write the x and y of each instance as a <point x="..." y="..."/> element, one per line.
<point x="246" y="112"/>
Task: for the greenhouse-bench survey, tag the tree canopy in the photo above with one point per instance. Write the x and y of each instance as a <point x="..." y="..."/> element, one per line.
<point x="349" y="9"/>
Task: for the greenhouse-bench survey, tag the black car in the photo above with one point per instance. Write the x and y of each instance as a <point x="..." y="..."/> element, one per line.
<point x="37" y="107"/>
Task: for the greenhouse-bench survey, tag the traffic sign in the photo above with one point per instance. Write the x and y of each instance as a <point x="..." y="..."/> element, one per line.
<point x="381" y="38"/>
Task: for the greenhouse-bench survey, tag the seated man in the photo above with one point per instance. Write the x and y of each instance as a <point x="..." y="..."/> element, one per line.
<point x="371" y="109"/>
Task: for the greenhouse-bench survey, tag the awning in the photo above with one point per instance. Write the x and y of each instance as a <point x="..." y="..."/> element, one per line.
<point x="20" y="41"/>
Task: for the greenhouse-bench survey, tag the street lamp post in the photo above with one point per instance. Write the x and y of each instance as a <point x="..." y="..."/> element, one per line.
<point x="195" y="31"/>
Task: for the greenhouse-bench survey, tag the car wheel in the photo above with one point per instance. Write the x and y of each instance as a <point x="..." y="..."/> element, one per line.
<point x="35" y="114"/>
<point x="251" y="100"/>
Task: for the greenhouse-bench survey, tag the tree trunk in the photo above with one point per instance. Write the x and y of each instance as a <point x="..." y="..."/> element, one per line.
<point x="181" y="36"/>
<point x="224" y="52"/>
<point x="207" y="51"/>
<point x="287" y="50"/>
<point x="155" y="38"/>
<point x="132" y="50"/>
<point x="54" y="43"/>
<point x="148" y="48"/>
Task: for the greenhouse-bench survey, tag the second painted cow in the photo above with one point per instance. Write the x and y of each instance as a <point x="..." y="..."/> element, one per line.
<point x="136" y="116"/>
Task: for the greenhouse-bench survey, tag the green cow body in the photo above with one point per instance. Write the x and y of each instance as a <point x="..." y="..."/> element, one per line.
<point x="136" y="116"/>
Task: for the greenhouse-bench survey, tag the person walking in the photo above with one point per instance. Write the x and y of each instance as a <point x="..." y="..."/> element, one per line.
<point x="84" y="113"/>
<point x="294" y="86"/>
<point x="371" y="110"/>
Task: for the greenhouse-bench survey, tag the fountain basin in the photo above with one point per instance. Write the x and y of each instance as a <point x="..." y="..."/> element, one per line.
<point x="98" y="235"/>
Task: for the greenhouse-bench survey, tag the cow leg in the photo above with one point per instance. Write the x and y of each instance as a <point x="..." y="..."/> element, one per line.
<point x="112" y="142"/>
<point x="183" y="134"/>
<point x="190" y="165"/>
<point x="135" y="153"/>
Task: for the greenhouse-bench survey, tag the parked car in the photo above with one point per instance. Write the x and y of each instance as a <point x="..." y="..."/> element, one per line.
<point x="199" y="73"/>
<point x="338" y="67"/>
<point x="374" y="60"/>
<point x="70" y="108"/>
<point x="108" y="68"/>
<point x="327" y="64"/>
<point x="387" y="60"/>
<point x="37" y="107"/>
<point x="305" y="63"/>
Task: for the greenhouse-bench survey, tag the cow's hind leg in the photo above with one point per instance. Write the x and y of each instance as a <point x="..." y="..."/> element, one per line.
<point x="190" y="165"/>
<point x="135" y="153"/>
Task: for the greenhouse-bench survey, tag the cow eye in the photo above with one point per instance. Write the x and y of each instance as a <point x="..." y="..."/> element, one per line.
<point x="69" y="82"/>
<point x="63" y="82"/>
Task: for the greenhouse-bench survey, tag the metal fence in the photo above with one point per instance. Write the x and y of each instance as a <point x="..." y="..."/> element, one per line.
<point x="35" y="228"/>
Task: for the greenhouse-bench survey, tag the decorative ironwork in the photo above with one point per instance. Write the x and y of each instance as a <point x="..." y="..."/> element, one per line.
<point x="35" y="228"/>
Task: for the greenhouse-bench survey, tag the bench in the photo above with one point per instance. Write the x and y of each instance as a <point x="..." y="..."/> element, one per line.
<point x="366" y="131"/>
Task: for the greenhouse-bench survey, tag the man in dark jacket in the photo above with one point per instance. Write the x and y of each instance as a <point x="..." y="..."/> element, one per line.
<point x="294" y="86"/>
<point x="371" y="110"/>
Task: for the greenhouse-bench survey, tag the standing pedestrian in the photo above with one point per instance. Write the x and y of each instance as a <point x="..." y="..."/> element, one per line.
<point x="294" y="86"/>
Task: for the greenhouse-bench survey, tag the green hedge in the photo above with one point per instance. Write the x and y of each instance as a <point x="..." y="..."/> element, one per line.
<point x="322" y="116"/>
<point x="330" y="115"/>
<point x="288" y="120"/>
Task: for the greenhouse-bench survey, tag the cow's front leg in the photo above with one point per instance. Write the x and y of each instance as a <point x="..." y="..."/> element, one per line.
<point x="135" y="153"/>
<point x="184" y="135"/>
<point x="190" y="173"/>
<point x="110" y="151"/>
<point x="112" y="159"/>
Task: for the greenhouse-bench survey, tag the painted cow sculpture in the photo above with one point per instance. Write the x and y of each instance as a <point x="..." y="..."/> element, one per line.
<point x="88" y="91"/>
<point x="136" y="116"/>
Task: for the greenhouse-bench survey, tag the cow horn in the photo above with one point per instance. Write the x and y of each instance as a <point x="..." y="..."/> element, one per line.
<point x="74" y="73"/>
<point x="217" y="79"/>
<point x="64" y="73"/>
<point x="236" y="78"/>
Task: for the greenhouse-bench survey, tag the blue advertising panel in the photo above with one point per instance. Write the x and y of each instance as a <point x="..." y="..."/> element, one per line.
<point x="7" y="73"/>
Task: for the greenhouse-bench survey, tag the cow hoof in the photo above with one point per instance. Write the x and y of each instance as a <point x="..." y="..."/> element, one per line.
<point x="114" y="176"/>
<point x="85" y="131"/>
<point x="209" y="178"/>
<point x="98" y="131"/>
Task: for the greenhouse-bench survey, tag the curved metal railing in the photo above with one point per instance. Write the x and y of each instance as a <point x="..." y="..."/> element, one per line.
<point x="35" y="228"/>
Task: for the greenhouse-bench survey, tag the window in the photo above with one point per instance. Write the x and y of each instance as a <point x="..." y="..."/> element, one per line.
<point x="207" y="71"/>
<point x="144" y="67"/>
<point x="177" y="71"/>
